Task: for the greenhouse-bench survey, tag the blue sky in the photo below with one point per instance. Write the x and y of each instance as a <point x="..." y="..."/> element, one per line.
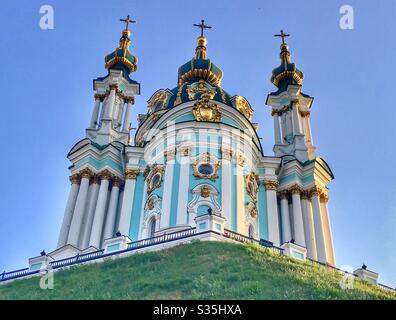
<point x="47" y="98"/>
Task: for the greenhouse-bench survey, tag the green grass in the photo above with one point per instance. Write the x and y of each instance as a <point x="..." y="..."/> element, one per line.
<point x="200" y="270"/>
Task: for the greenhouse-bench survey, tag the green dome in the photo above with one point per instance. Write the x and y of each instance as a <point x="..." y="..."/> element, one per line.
<point x="200" y="68"/>
<point x="287" y="73"/>
<point x="121" y="58"/>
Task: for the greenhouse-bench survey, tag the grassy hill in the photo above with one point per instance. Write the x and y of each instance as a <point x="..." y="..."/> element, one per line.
<point x="200" y="270"/>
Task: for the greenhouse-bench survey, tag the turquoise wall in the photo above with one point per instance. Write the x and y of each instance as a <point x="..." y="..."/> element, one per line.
<point x="137" y="208"/>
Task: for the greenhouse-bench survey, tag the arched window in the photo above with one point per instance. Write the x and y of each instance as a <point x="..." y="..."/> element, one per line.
<point x="251" y="231"/>
<point x="152" y="228"/>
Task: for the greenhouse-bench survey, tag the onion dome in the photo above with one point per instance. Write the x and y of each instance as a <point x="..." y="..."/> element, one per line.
<point x="287" y="73"/>
<point x="200" y="68"/>
<point x="121" y="58"/>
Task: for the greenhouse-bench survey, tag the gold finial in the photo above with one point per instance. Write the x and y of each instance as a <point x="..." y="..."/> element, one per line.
<point x="200" y="51"/>
<point x="130" y="128"/>
<point x="127" y="21"/>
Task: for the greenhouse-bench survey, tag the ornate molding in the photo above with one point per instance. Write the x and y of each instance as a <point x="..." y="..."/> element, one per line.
<point x="170" y="154"/>
<point x="305" y="113"/>
<point x="243" y="106"/>
<point x="131" y="173"/>
<point x="117" y="182"/>
<point x="305" y="195"/>
<point x="206" y="158"/>
<point x="155" y="170"/>
<point x="185" y="151"/>
<point x="271" y="184"/>
<point x="241" y="160"/>
<point x="324" y="197"/>
<point x="227" y="153"/>
<point x="284" y="194"/>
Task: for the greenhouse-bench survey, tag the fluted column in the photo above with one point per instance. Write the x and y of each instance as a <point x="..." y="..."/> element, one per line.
<point x="95" y="112"/>
<point x="277" y="134"/>
<point x="184" y="181"/>
<point x="76" y="229"/>
<point x="272" y="209"/>
<point x="97" y="225"/>
<point x="68" y="215"/>
<point x="127" y="201"/>
<point x="327" y="229"/>
<point x="308" y="225"/>
<point x="285" y="217"/>
<point x="296" y="118"/>
<point x="112" y="211"/>
<point x="127" y="116"/>
<point x="110" y="103"/>
<point x="318" y="226"/>
<point x="93" y="198"/>
<point x="167" y="195"/>
<point x="298" y="224"/>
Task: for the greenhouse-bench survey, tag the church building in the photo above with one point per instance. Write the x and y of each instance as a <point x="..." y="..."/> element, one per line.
<point x="196" y="151"/>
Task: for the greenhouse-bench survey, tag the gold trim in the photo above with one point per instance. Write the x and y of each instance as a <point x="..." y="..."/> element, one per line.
<point x="86" y="173"/>
<point x="252" y="178"/>
<point x="105" y="174"/>
<point x="271" y="185"/>
<point x="204" y="110"/>
<point x="206" y="158"/>
<point x="153" y="172"/>
<point x="131" y="173"/>
<point x="75" y="179"/>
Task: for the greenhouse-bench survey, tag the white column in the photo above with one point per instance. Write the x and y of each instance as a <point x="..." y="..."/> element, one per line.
<point x="102" y="110"/>
<point x="127" y="116"/>
<point x="272" y="211"/>
<point x="127" y="201"/>
<point x="318" y="226"/>
<point x="285" y="217"/>
<point x="327" y="230"/>
<point x="110" y="103"/>
<point x="167" y="196"/>
<point x="90" y="212"/>
<point x="241" y="226"/>
<point x="298" y="224"/>
<point x="79" y="210"/>
<point x="95" y="113"/>
<point x="68" y="215"/>
<point x="226" y="186"/>
<point x="112" y="211"/>
<point x="100" y="211"/>
<point x="308" y="226"/>
<point x="296" y="118"/>
<point x="276" y="128"/>
<point x="120" y="113"/>
<point x="283" y="127"/>
<point x="307" y="128"/>
<point x="183" y="186"/>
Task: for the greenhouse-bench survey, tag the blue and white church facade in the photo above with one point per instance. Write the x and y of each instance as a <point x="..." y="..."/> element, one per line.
<point x="195" y="151"/>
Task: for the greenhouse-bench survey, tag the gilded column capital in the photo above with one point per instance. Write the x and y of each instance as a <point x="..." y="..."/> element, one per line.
<point x="275" y="112"/>
<point x="99" y="96"/>
<point x="241" y="160"/>
<point x="271" y="184"/>
<point x="227" y="153"/>
<point x="130" y="100"/>
<point x="86" y="173"/>
<point x="284" y="194"/>
<point x="305" y="113"/>
<point x="324" y="197"/>
<point x="117" y="182"/>
<point x="305" y="195"/>
<point x="131" y="173"/>
<point x="185" y="151"/>
<point x="113" y="86"/>
<point x="105" y="175"/>
<point x="170" y="154"/>
<point x="95" y="179"/>
<point x="75" y="179"/>
<point x="295" y="189"/>
<point x="315" y="191"/>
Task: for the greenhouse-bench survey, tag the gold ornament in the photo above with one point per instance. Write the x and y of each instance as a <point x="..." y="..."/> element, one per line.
<point x="155" y="171"/>
<point x="251" y="181"/>
<point x="295" y="189"/>
<point x="86" y="173"/>
<point x="206" y="159"/>
<point x="105" y="174"/>
<point x="243" y="106"/>
<point x="205" y="192"/>
<point x="75" y="179"/>
<point x="204" y="110"/>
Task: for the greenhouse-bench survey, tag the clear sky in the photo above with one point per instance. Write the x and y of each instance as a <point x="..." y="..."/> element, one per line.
<point x="47" y="99"/>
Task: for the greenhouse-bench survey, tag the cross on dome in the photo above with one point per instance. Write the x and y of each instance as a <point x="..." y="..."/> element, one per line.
<point x="203" y="26"/>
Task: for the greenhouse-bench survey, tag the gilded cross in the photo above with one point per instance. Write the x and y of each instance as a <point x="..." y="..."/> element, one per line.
<point x="282" y="35"/>
<point x="127" y="21"/>
<point x="203" y="26"/>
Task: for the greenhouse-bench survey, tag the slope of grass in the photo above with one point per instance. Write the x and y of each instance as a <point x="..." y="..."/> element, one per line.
<point x="200" y="270"/>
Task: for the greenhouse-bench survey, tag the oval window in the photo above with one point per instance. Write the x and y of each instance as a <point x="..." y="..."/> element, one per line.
<point x="155" y="180"/>
<point x="205" y="169"/>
